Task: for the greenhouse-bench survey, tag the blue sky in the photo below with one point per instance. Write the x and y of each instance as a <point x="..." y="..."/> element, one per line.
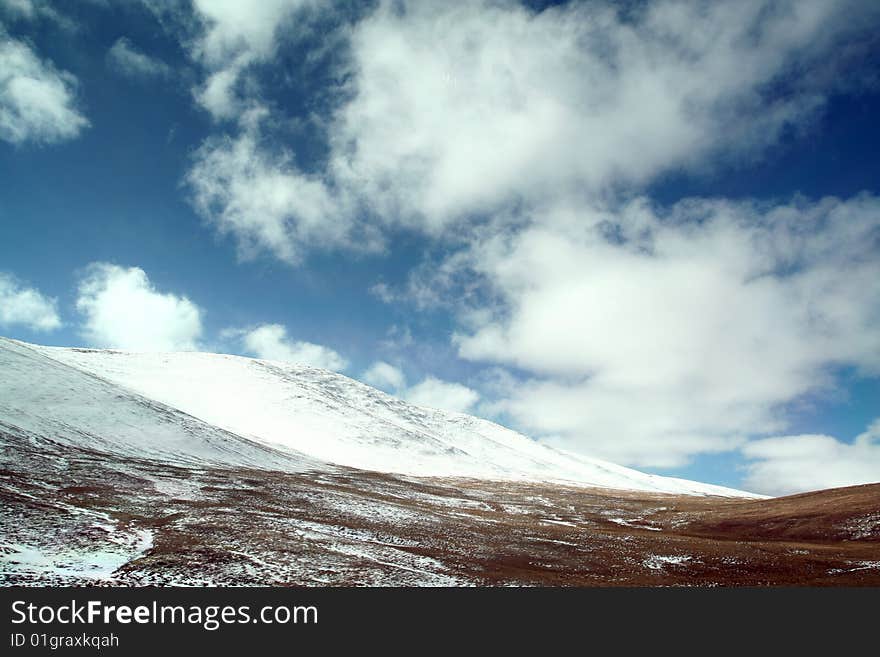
<point x="649" y="235"/>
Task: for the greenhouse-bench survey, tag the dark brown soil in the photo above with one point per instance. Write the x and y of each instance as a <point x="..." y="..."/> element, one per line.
<point x="348" y="527"/>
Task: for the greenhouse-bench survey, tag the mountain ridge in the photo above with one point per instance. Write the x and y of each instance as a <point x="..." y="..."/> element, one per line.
<point x="314" y="417"/>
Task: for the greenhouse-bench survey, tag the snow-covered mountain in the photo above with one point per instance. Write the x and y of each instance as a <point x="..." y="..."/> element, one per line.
<point x="211" y="409"/>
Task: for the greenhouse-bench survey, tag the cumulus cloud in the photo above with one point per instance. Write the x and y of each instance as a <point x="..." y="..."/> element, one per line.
<point x="25" y="306"/>
<point x="450" y="110"/>
<point x="445" y="395"/>
<point x="647" y="336"/>
<point x="463" y="108"/>
<point x="270" y="342"/>
<point x="37" y="101"/>
<point x="122" y="309"/>
<point x="518" y="138"/>
<point x="385" y="376"/>
<point x="125" y="58"/>
<point x="266" y="203"/>
<point x="235" y="36"/>
<point x="793" y="464"/>
<point x="431" y="391"/>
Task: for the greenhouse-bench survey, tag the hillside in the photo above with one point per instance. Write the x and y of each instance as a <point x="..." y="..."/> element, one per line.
<point x="182" y="469"/>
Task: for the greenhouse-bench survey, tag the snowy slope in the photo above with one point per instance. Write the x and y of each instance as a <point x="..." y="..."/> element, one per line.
<point x="43" y="399"/>
<point x="223" y="408"/>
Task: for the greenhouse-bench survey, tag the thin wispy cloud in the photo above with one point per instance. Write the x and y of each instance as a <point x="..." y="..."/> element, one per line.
<point x="125" y="58"/>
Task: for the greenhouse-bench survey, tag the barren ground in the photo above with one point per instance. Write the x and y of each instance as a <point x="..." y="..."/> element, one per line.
<point x="81" y="517"/>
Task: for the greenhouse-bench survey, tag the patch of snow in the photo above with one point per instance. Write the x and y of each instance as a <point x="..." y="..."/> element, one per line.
<point x="864" y="527"/>
<point x="629" y="523"/>
<point x="659" y="562"/>
<point x="553" y="521"/>
<point x="177" y="488"/>
<point x="95" y="565"/>
<point x="857" y="565"/>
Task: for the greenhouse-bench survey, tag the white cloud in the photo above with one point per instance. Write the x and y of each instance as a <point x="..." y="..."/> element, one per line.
<point x="647" y="338"/>
<point x="124" y="57"/>
<point x="267" y="203"/>
<point x="793" y="464"/>
<point x="431" y="391"/>
<point x="26" y="306"/>
<point x="385" y="376"/>
<point x="123" y="310"/>
<point x="445" y="395"/>
<point x="454" y="109"/>
<point x="270" y="342"/>
<point x="37" y="101"/>
<point x="34" y="10"/>
<point x="641" y="335"/>
<point x="231" y="29"/>
<point x="234" y="37"/>
<point x="468" y="107"/>
<point x="19" y="8"/>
